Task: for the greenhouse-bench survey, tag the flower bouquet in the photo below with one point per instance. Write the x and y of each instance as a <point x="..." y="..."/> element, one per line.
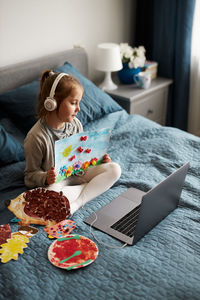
<point x="133" y="59"/>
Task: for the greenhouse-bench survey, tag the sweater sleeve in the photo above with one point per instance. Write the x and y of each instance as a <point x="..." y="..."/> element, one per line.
<point x="39" y="154"/>
<point x="34" y="175"/>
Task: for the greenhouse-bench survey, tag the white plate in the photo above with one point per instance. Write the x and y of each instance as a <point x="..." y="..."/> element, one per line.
<point x="72" y="252"/>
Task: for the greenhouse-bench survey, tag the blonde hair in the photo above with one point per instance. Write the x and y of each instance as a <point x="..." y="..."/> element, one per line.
<point x="64" y="88"/>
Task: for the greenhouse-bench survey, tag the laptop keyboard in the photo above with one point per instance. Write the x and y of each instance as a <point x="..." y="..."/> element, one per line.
<point x="127" y="224"/>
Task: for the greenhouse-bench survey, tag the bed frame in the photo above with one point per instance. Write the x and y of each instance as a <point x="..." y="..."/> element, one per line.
<point x="18" y="74"/>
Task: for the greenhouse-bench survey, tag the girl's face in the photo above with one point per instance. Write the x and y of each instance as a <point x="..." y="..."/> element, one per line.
<point x="69" y="107"/>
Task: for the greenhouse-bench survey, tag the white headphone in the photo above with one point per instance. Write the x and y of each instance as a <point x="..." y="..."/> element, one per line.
<point x="50" y="103"/>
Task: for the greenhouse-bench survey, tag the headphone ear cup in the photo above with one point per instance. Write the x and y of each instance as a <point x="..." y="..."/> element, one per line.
<point x="50" y="104"/>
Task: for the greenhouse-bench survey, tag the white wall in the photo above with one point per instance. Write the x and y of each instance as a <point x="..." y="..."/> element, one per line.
<point x="33" y="28"/>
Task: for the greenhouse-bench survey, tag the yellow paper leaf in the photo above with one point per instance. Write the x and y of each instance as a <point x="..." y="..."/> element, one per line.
<point x="67" y="151"/>
<point x="13" y="247"/>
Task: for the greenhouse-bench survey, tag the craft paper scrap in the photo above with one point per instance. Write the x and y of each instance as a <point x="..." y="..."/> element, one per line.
<point x="80" y="151"/>
<point x="28" y="231"/>
<point x="5" y="233"/>
<point x="61" y="229"/>
<point x="15" y="220"/>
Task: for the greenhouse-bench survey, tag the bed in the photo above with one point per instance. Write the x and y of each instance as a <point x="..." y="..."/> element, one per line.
<point x="165" y="263"/>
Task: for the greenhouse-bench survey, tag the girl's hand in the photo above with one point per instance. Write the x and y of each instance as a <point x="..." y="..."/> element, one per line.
<point x="106" y="158"/>
<point x="51" y="176"/>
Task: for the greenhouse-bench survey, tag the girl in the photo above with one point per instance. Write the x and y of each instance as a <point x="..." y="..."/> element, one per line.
<point x="58" y="103"/>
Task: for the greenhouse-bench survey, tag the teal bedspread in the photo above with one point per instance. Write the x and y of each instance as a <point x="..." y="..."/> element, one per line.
<point x="165" y="264"/>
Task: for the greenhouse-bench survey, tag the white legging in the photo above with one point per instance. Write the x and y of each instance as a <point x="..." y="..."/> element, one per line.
<point x="81" y="189"/>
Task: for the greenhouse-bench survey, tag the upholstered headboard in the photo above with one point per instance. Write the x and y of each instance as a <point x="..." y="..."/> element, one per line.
<point x="18" y="74"/>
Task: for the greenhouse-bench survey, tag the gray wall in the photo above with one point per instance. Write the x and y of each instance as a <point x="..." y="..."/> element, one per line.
<point x="33" y="28"/>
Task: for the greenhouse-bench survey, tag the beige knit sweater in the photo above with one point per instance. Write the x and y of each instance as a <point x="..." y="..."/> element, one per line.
<point x="39" y="150"/>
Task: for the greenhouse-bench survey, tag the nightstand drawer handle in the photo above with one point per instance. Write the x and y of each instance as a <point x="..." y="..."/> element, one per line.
<point x="149" y="111"/>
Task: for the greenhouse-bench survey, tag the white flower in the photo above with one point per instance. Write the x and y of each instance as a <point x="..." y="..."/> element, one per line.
<point x="128" y="53"/>
<point x="135" y="57"/>
<point x="141" y="50"/>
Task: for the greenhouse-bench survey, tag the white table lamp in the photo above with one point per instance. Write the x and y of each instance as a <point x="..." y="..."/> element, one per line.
<point x="108" y="59"/>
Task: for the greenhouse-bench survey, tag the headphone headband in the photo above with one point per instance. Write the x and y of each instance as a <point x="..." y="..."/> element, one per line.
<point x="50" y="103"/>
<point x="56" y="81"/>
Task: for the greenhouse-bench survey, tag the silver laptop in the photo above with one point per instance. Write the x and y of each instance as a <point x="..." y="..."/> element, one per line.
<point x="134" y="213"/>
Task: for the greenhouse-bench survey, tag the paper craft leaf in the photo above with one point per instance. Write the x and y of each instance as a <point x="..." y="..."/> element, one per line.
<point x="13" y="247"/>
<point x="67" y="151"/>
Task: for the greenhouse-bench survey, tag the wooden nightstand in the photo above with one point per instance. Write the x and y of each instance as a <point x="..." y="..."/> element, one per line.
<point x="150" y="103"/>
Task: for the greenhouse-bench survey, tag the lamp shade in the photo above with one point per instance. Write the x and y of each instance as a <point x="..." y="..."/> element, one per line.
<point x="108" y="57"/>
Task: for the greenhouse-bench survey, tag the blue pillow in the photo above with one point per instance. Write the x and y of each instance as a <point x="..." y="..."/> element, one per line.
<point x="95" y="103"/>
<point x="11" y="128"/>
<point x="10" y="149"/>
<point x="20" y="105"/>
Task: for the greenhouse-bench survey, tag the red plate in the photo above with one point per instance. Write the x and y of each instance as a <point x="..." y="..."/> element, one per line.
<point x="72" y="252"/>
